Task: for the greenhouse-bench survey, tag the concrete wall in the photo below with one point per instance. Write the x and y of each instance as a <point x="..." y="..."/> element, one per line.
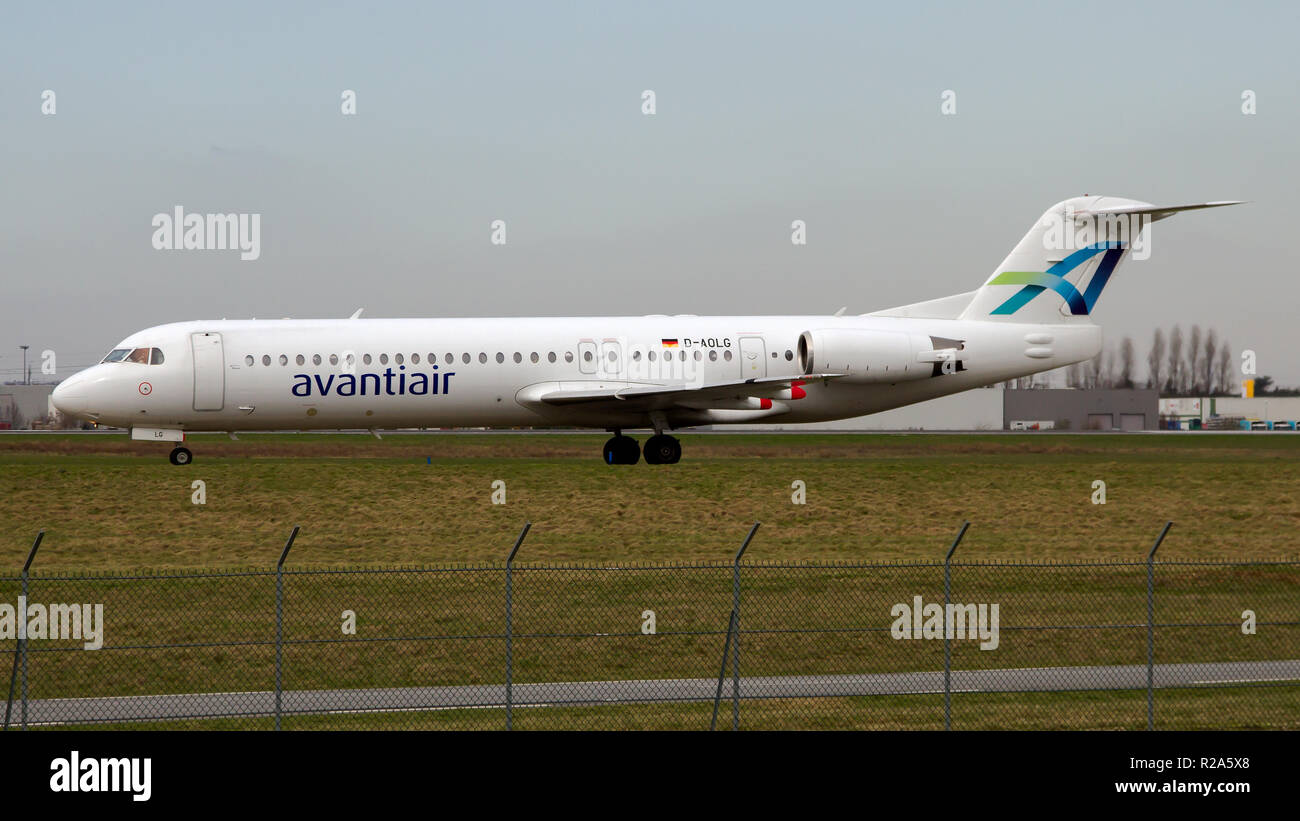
<point x="1071" y="409"/>
<point x="32" y="401"/>
<point x="979" y="409"/>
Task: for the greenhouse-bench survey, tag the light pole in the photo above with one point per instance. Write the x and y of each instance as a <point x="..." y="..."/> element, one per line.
<point x="27" y="380"/>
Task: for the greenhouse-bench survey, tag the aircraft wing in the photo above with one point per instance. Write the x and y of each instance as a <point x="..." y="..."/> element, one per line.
<point x="662" y="397"/>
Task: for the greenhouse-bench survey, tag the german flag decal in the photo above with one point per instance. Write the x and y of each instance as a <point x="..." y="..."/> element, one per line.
<point x="669" y="343"/>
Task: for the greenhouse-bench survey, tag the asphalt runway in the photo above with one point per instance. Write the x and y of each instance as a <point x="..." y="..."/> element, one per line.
<point x="643" y="691"/>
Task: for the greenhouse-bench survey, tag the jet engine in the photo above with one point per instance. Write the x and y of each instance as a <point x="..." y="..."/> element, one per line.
<point x="870" y="356"/>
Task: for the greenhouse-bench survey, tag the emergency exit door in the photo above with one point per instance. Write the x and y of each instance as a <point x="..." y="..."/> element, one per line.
<point x="753" y="357"/>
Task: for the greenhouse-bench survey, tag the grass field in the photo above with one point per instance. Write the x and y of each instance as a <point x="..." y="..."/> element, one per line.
<point x="109" y="503"/>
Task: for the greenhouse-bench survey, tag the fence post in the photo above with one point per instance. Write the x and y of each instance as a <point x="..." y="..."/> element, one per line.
<point x="20" y="651"/>
<point x="735" y="620"/>
<point x="722" y="673"/>
<point x="947" y="634"/>
<point x="279" y="622"/>
<point x="510" y="658"/>
<point x="1151" y="628"/>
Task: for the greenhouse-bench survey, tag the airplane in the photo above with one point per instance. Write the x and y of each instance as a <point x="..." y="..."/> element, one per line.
<point x="661" y="373"/>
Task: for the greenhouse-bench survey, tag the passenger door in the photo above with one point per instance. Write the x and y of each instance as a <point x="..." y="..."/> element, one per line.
<point x="209" y="372"/>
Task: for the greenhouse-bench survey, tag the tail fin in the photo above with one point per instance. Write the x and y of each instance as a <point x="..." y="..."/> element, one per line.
<point x="1072" y="251"/>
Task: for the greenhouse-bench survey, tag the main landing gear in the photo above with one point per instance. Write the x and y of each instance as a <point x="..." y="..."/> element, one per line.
<point x="660" y="449"/>
<point x="180" y="456"/>
<point x="621" y="450"/>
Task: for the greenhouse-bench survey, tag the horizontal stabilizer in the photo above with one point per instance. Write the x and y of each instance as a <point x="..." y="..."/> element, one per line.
<point x="1156" y="212"/>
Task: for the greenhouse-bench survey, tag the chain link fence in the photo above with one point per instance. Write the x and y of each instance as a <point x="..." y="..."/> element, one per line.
<point x="739" y="645"/>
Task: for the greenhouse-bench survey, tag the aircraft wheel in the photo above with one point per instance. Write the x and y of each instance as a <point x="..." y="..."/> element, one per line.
<point x="180" y="456"/>
<point x="662" y="450"/>
<point x="621" y="450"/>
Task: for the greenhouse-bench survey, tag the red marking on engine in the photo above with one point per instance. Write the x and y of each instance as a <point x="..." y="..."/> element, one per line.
<point x="765" y="404"/>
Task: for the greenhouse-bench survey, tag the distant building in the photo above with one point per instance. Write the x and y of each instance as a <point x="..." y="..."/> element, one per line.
<point x="1232" y="412"/>
<point x="998" y="409"/>
<point x="1082" y="409"/>
<point x="21" y="405"/>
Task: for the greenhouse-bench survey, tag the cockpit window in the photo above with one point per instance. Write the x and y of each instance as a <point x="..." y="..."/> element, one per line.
<point x="142" y="356"/>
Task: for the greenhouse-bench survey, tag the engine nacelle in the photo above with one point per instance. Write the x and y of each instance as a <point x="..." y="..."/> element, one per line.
<point x="867" y="356"/>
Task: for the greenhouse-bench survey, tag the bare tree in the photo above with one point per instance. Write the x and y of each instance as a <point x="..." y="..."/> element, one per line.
<point x="1175" y="384"/>
<point x="1109" y="360"/>
<point x="1126" y="357"/>
<point x="1193" y="372"/>
<point x="1223" y="370"/>
<point x="1074" y="375"/>
<point x="1095" y="369"/>
<point x="1155" y="361"/>
<point x="1208" y="361"/>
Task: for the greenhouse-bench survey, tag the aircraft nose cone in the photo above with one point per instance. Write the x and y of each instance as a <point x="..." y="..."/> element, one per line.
<point x="69" y="397"/>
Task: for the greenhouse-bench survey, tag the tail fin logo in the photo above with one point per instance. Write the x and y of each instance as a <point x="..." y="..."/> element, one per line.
<point x="1036" y="282"/>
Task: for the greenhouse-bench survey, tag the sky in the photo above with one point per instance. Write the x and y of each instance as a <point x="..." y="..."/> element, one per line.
<point x="531" y="113"/>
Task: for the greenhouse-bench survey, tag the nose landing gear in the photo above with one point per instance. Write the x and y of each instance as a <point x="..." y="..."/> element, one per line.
<point x="180" y="456"/>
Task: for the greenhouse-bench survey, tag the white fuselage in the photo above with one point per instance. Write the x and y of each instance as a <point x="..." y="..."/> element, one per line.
<point x="231" y="375"/>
